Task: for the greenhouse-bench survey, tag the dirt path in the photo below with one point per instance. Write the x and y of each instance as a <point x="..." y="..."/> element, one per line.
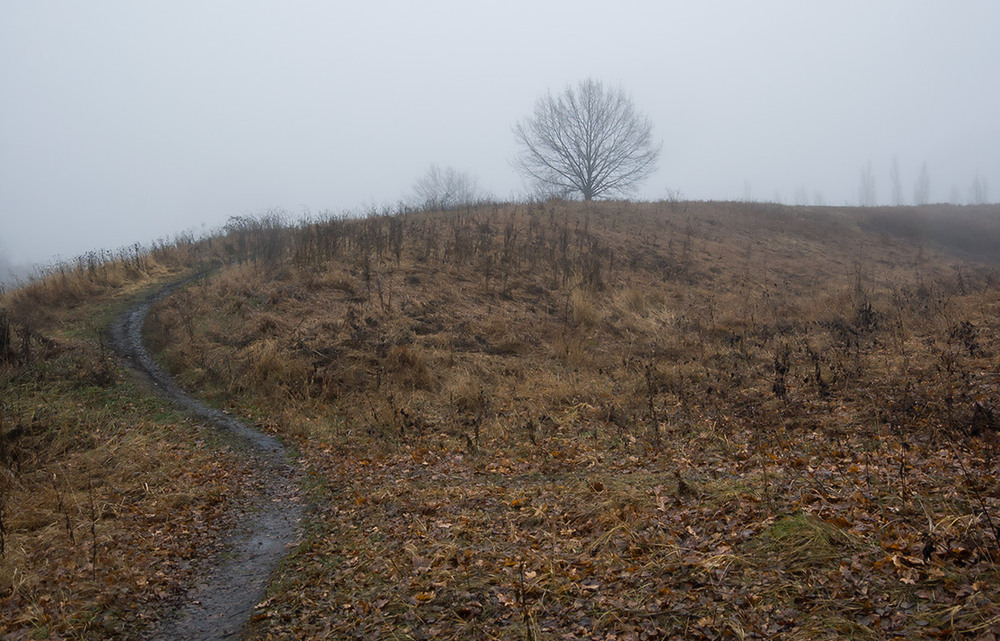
<point x="219" y="606"/>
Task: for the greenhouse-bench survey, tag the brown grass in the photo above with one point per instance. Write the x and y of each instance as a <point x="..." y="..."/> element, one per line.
<point x="594" y="420"/>
<point x="618" y="420"/>
<point x="108" y="499"/>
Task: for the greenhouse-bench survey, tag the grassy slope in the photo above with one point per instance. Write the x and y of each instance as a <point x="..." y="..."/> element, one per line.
<point x="620" y="420"/>
<point x="608" y="421"/>
<point x="108" y="498"/>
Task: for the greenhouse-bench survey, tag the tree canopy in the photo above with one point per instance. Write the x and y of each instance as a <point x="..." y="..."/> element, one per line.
<point x="588" y="141"/>
<point x="444" y="188"/>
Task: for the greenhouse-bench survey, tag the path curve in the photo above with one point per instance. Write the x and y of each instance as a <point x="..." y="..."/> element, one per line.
<point x="219" y="606"/>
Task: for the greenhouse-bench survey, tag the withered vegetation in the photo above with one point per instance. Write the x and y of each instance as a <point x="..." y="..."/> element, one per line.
<point x="109" y="499"/>
<point x="546" y="421"/>
<point x="619" y="420"/>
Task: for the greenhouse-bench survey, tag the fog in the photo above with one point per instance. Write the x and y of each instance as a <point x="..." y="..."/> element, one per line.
<point x="123" y="122"/>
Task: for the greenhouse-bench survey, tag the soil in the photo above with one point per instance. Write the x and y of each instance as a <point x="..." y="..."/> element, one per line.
<point x="222" y="601"/>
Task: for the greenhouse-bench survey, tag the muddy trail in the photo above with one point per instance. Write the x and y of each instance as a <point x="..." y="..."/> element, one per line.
<point x="219" y="606"/>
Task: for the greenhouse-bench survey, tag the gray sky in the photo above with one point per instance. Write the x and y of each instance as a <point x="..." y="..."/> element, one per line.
<point x="125" y="121"/>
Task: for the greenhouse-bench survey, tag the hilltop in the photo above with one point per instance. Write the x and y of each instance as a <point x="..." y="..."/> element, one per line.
<point x="551" y="420"/>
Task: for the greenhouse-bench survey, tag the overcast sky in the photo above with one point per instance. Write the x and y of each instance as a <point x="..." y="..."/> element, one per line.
<point x="125" y="121"/>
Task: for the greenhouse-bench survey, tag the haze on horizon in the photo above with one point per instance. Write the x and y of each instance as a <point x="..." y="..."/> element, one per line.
<point x="125" y="122"/>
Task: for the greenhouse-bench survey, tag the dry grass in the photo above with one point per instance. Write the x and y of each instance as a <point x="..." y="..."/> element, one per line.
<point x="616" y="420"/>
<point x="108" y="499"/>
<point x="624" y="421"/>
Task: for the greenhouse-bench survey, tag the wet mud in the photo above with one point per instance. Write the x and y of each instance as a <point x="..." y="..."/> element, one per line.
<point x="222" y="601"/>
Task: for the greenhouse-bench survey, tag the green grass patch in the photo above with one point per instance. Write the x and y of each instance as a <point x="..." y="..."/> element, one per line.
<point x="801" y="542"/>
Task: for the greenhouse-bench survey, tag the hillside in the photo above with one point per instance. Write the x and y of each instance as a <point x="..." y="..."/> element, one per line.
<point x="110" y="500"/>
<point x="569" y="420"/>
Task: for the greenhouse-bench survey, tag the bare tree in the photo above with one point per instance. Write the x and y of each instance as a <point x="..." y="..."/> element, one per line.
<point x="922" y="188"/>
<point x="11" y="272"/>
<point x="979" y="191"/>
<point x="897" y="185"/>
<point x="588" y="140"/>
<point x="6" y="270"/>
<point x="866" y="188"/>
<point x="444" y="188"/>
